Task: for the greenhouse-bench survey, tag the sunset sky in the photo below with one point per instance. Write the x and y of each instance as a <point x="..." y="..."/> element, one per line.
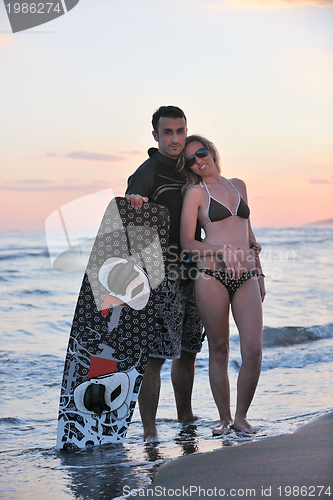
<point x="253" y="76"/>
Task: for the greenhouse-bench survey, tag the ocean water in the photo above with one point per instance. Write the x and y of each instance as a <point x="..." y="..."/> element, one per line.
<point x="37" y="305"/>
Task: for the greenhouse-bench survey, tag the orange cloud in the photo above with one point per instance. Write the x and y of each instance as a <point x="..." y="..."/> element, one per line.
<point x="281" y="4"/>
<point x="87" y="155"/>
<point x="133" y="152"/>
<point x="320" y="180"/>
<point x="92" y="156"/>
<point x="69" y="185"/>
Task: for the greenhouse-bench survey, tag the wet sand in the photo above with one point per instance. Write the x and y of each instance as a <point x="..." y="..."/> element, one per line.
<point x="298" y="465"/>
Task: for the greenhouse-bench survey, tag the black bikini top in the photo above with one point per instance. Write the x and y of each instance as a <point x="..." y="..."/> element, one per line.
<point x="217" y="211"/>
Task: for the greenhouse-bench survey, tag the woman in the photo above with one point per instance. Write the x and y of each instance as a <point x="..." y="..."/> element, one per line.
<point x="229" y="272"/>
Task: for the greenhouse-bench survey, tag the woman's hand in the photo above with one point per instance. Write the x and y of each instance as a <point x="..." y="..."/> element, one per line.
<point x="255" y="248"/>
<point x="233" y="265"/>
<point x="136" y="200"/>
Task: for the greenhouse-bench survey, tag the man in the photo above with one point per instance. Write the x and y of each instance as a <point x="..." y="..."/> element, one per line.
<point x="178" y="329"/>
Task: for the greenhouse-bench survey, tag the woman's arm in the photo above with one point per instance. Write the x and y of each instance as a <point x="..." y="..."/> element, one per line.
<point x="255" y="247"/>
<point x="260" y="274"/>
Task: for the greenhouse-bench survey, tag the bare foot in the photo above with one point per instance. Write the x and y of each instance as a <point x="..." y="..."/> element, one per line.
<point x="241" y="424"/>
<point x="223" y="428"/>
<point x="151" y="439"/>
<point x="150" y="434"/>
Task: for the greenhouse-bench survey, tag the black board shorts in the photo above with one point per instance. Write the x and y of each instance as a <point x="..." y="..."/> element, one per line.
<point x="178" y="326"/>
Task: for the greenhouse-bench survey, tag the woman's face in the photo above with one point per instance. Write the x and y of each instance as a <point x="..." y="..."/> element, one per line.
<point x="202" y="166"/>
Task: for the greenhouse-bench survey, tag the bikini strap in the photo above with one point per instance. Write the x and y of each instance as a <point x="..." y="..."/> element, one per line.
<point x="233" y="186"/>
<point x="239" y="196"/>
<point x="203" y="184"/>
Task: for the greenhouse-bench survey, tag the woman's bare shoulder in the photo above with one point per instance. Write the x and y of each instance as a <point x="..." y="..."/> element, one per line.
<point x="194" y="190"/>
<point x="238" y="182"/>
<point x="239" y="185"/>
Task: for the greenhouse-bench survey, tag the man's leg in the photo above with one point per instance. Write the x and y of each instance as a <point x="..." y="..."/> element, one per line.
<point x="183" y="368"/>
<point x="182" y="376"/>
<point x="149" y="395"/>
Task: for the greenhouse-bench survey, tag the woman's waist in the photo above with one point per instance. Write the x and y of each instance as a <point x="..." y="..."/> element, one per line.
<point x="232" y="228"/>
<point x="244" y="255"/>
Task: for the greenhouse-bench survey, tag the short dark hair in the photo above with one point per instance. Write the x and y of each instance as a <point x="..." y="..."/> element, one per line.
<point x="167" y="112"/>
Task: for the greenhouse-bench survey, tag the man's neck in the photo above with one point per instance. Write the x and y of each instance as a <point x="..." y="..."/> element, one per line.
<point x="174" y="158"/>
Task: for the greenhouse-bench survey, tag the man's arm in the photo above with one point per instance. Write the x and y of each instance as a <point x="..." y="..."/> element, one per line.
<point x="136" y="200"/>
<point x="139" y="186"/>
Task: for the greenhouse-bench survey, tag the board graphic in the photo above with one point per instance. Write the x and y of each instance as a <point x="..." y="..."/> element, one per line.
<point x="113" y="325"/>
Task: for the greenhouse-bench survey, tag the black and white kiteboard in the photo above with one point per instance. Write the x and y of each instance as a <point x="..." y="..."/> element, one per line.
<point x="113" y="326"/>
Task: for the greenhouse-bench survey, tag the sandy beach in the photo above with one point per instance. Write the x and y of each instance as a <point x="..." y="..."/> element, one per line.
<point x="294" y="465"/>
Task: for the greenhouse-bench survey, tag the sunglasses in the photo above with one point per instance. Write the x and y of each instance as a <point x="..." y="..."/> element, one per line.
<point x="201" y="153"/>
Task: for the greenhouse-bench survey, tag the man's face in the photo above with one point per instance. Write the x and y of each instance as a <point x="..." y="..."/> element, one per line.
<point x="171" y="136"/>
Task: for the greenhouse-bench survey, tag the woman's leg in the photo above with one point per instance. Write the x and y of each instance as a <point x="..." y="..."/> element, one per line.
<point x="247" y="312"/>
<point x="212" y="301"/>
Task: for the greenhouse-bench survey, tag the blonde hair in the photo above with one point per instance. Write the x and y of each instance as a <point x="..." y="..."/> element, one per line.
<point x="191" y="177"/>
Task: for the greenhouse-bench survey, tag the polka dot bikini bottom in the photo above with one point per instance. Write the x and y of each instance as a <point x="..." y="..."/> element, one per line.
<point x="231" y="284"/>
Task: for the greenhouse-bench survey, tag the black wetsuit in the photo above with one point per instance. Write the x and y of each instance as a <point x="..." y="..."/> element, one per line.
<point x="157" y="179"/>
<point x="178" y="325"/>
